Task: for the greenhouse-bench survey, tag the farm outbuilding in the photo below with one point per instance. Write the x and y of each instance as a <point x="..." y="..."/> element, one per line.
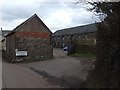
<point x="64" y="37"/>
<point x="3" y="39"/>
<point x="31" y="40"/>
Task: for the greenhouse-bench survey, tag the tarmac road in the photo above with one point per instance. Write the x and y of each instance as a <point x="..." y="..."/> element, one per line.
<point x="71" y="71"/>
<point x="16" y="76"/>
<point x="66" y="71"/>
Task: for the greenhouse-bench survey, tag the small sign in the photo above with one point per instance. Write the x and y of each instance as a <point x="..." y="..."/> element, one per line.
<point x="21" y="53"/>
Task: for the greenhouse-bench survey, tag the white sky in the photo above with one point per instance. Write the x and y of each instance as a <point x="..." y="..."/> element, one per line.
<point x="55" y="14"/>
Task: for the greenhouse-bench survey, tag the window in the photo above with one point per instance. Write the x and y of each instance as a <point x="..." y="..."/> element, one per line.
<point x="67" y="37"/>
<point x="63" y="38"/>
<point x="86" y="37"/>
<point x="94" y="41"/>
<point x="72" y="37"/>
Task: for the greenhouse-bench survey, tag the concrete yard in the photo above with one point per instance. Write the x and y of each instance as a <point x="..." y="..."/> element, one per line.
<point x="62" y="69"/>
<point x="60" y="72"/>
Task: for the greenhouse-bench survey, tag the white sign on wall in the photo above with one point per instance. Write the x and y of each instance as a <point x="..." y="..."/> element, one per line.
<point x="21" y="53"/>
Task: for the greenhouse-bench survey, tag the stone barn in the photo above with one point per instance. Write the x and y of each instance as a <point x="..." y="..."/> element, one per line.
<point x="64" y="37"/>
<point x="30" y="41"/>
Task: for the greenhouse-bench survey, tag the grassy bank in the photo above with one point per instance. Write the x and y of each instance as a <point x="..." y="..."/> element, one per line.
<point x="83" y="54"/>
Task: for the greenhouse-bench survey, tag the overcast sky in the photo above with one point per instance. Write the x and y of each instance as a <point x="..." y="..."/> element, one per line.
<point x="55" y="14"/>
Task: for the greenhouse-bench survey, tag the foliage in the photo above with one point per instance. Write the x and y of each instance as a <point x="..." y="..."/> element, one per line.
<point x="107" y="65"/>
<point x="85" y="45"/>
<point x="83" y="54"/>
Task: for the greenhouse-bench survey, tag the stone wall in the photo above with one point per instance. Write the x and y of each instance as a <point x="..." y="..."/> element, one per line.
<point x="38" y="45"/>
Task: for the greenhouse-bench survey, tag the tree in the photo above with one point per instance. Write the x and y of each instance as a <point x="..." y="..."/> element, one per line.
<point x="107" y="65"/>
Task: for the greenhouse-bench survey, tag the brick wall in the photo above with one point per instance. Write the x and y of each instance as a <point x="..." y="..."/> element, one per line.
<point x="37" y="44"/>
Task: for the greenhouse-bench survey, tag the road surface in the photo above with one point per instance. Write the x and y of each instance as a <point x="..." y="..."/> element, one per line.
<point x="71" y="71"/>
<point x="65" y="70"/>
<point x="16" y="76"/>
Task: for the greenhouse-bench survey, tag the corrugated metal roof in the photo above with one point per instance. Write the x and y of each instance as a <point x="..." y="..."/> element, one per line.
<point x="77" y="30"/>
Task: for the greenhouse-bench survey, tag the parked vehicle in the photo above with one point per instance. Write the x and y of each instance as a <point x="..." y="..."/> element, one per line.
<point x="65" y="48"/>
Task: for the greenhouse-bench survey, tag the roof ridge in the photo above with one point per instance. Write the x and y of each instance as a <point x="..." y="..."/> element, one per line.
<point x="77" y="30"/>
<point x="27" y="20"/>
<point x="77" y="26"/>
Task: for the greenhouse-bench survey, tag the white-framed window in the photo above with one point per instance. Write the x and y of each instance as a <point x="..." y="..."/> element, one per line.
<point x="94" y="41"/>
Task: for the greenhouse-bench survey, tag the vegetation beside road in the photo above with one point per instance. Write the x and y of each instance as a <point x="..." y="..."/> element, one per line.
<point x="83" y="54"/>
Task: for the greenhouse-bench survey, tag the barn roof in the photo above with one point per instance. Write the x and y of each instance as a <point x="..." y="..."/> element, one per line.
<point x="77" y="30"/>
<point x="5" y="32"/>
<point x="22" y="24"/>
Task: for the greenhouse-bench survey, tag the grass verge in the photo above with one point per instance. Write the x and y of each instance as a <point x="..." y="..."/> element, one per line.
<point x="83" y="54"/>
